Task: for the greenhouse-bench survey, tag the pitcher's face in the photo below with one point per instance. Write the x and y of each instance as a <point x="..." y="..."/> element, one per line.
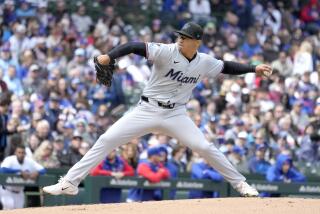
<point x="186" y="44"/>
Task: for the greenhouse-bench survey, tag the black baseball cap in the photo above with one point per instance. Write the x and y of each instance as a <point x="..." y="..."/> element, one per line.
<point x="191" y="30"/>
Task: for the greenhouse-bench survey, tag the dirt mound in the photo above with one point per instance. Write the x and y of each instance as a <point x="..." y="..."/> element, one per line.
<point x="203" y="206"/>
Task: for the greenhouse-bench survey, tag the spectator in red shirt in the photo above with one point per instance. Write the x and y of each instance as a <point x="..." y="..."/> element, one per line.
<point x="112" y="165"/>
<point x="154" y="171"/>
<point x="310" y="15"/>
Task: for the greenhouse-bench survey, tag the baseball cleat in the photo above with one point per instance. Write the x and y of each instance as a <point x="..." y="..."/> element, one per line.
<point x="63" y="187"/>
<point x="246" y="190"/>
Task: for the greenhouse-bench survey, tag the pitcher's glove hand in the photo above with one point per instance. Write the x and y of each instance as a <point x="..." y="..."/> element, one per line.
<point x="104" y="72"/>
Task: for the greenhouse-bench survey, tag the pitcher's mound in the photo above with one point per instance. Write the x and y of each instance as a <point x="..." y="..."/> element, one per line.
<point x="203" y="206"/>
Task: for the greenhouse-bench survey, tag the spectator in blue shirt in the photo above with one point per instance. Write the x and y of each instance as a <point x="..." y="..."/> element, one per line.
<point x="202" y="170"/>
<point x="9" y="12"/>
<point x="6" y="59"/>
<point x="251" y="46"/>
<point x="25" y="11"/>
<point x="284" y="171"/>
<point x="258" y="164"/>
<point x="13" y="82"/>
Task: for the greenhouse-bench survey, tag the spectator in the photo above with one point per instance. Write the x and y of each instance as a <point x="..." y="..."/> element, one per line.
<point x="303" y="59"/>
<point x="309" y="151"/>
<point x="232" y="43"/>
<point x="43" y="130"/>
<point x="113" y="165"/>
<point x="54" y="39"/>
<point x="202" y="170"/>
<point x="13" y="82"/>
<point x="9" y="12"/>
<point x="27" y="58"/>
<point x="33" y="81"/>
<point x="284" y="171"/>
<point x="4" y="104"/>
<point x="33" y="143"/>
<point x="224" y="123"/>
<point x="130" y="154"/>
<point x="27" y="168"/>
<point x="6" y="59"/>
<point x="257" y="10"/>
<point x="152" y="170"/>
<point x="179" y="158"/>
<point x="272" y="17"/>
<point x="71" y="155"/>
<point x="210" y="129"/>
<point x="37" y="115"/>
<point x="310" y="15"/>
<point x="81" y="127"/>
<point x="66" y="129"/>
<point x="44" y="155"/>
<point x="58" y="146"/>
<point x="78" y="64"/>
<point x="52" y="109"/>
<point x="233" y="97"/>
<point x="60" y="11"/>
<point x="200" y="10"/>
<point x="251" y="46"/>
<point x="174" y="10"/>
<point x="258" y="164"/>
<point x="238" y="159"/>
<point x="298" y="117"/>
<point x="234" y="132"/>
<point x="18" y="42"/>
<point x="287" y="132"/>
<point x="92" y="132"/>
<point x="243" y="10"/>
<point x="21" y="119"/>
<point x="81" y="21"/>
<point x="242" y="141"/>
<point x="283" y="64"/>
<point x="43" y="15"/>
<point x="58" y="60"/>
<point x="25" y="10"/>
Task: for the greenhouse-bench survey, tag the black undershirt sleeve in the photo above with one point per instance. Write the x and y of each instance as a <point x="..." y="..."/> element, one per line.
<point x="138" y="48"/>
<point x="234" y="68"/>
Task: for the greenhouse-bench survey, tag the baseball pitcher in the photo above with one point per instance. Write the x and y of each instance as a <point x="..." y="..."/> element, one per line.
<point x="177" y="68"/>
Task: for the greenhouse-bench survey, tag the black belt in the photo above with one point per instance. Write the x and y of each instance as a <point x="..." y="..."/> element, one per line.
<point x="168" y="106"/>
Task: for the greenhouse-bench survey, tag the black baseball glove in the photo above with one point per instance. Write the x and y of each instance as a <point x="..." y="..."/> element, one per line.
<point x="104" y="72"/>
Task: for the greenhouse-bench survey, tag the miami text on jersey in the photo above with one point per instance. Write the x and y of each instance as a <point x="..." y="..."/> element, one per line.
<point x="178" y="75"/>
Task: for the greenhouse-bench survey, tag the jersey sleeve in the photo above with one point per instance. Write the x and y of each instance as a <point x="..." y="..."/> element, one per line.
<point x="214" y="66"/>
<point x="158" y="52"/>
<point x="34" y="165"/>
<point x="7" y="163"/>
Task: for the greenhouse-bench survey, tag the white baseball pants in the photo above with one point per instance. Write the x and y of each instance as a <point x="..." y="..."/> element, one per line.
<point x="11" y="200"/>
<point x="147" y="118"/>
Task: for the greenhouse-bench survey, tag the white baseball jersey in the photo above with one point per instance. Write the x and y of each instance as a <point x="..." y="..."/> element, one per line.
<point x="172" y="80"/>
<point x="28" y="164"/>
<point x="173" y="77"/>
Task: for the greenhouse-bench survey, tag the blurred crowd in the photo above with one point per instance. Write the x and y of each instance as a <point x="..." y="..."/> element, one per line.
<point x="51" y="103"/>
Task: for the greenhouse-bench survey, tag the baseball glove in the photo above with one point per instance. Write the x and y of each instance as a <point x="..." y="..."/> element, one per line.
<point x="103" y="72"/>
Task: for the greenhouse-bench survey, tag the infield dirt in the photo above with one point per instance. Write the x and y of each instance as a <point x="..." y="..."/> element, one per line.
<point x="203" y="206"/>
